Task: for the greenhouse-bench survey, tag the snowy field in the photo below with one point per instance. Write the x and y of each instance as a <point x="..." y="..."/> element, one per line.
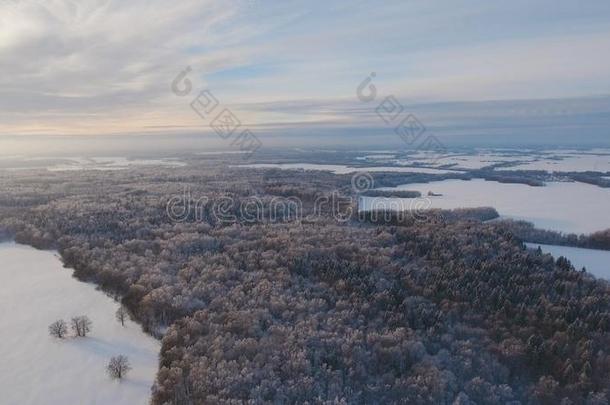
<point x="547" y="160"/>
<point x="38" y="369"/>
<point x="112" y="163"/>
<point x="575" y="162"/>
<point x="342" y="169"/>
<point x="597" y="262"/>
<point x="464" y="161"/>
<point x="561" y="206"/>
<point x="82" y="163"/>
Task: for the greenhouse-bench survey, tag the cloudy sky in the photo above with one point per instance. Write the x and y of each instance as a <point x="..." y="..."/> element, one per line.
<point x="478" y="67"/>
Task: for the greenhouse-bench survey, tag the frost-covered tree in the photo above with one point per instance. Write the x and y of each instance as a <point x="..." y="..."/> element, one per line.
<point x="121" y="315"/>
<point x="81" y="325"/>
<point x="58" y="329"/>
<point x="118" y="367"/>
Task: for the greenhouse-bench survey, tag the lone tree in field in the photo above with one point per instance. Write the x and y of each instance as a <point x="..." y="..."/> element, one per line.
<point x="58" y="329"/>
<point x="81" y="325"/>
<point x="121" y="315"/>
<point x="118" y="367"/>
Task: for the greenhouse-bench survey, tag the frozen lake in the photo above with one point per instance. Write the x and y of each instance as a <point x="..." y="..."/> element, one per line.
<point x="561" y="206"/>
<point x="38" y="369"/>
<point x="597" y="262"/>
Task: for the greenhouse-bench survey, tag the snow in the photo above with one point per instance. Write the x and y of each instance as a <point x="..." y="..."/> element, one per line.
<point x="378" y="158"/>
<point x="568" y="163"/>
<point x="465" y="161"/>
<point x="81" y="163"/>
<point x="479" y="161"/>
<point x="342" y="169"/>
<point x="597" y="262"/>
<point x="111" y="163"/>
<point x="392" y="203"/>
<point x="562" y="206"/>
<point x="546" y="160"/>
<point x="39" y="369"/>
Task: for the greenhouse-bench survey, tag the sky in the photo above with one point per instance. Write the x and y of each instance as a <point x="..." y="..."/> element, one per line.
<point x="289" y="71"/>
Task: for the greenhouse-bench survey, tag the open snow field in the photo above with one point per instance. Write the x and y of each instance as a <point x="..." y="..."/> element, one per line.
<point x="547" y="160"/>
<point x="560" y="206"/>
<point x="597" y="262"/>
<point x="576" y="162"/>
<point x="82" y="163"/>
<point x="464" y="161"/>
<point x="38" y="369"/>
<point x="343" y="169"/>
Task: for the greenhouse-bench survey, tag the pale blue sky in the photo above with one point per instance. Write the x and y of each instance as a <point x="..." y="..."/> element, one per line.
<point x="104" y="66"/>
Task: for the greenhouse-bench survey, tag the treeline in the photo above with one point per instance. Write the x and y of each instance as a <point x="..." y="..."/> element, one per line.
<point x="412" y="217"/>
<point x="530" y="178"/>
<point x="527" y="232"/>
<point x="392" y="193"/>
<point x="595" y="178"/>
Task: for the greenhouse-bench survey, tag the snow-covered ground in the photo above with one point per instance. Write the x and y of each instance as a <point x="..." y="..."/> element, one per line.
<point x="342" y="169"/>
<point x="561" y="206"/>
<point x="547" y="160"/>
<point x="112" y="163"/>
<point x="576" y="162"/>
<point x="82" y="163"/>
<point x="597" y="262"/>
<point x="392" y="203"/>
<point x="379" y="156"/>
<point x="464" y="161"/>
<point x="38" y="369"/>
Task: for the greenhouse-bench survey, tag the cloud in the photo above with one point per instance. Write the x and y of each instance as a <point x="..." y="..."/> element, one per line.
<point x="104" y="66"/>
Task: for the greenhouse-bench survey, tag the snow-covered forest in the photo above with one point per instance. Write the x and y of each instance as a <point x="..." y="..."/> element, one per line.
<point x="441" y="309"/>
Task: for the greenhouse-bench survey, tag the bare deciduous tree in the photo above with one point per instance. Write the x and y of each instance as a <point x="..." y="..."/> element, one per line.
<point x="118" y="367"/>
<point x="121" y="315"/>
<point x="81" y="325"/>
<point x="58" y="328"/>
